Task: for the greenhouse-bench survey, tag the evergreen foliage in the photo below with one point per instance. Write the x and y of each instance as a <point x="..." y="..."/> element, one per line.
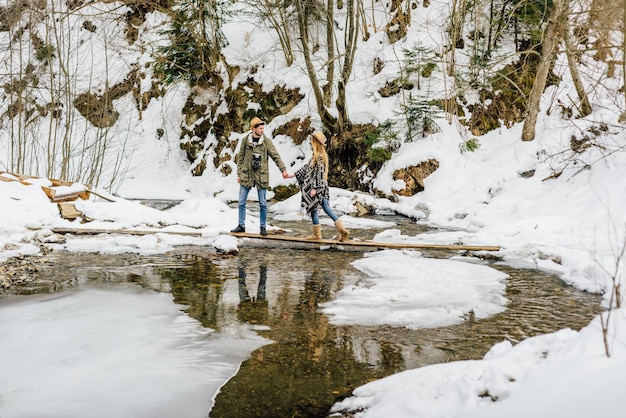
<point x="382" y="141"/>
<point x="195" y="42"/>
<point x="420" y="115"/>
<point x="531" y="15"/>
<point x="420" y="62"/>
<point x="470" y="145"/>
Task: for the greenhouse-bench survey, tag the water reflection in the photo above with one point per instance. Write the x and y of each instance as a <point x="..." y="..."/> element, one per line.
<point x="253" y="310"/>
<point x="199" y="286"/>
<point x="312" y="363"/>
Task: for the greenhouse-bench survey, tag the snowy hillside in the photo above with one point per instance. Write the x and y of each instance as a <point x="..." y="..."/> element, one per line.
<point x="543" y="201"/>
<point x="80" y="102"/>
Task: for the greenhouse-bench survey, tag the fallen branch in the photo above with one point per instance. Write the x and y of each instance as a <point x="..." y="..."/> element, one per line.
<point x="102" y="196"/>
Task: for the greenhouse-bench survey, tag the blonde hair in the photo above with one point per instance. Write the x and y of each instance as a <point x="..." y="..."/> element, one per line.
<point x="319" y="151"/>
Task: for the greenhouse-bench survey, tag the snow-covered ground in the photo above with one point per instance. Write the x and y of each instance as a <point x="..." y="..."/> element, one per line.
<point x="108" y="351"/>
<point x="504" y="193"/>
<point x="545" y="224"/>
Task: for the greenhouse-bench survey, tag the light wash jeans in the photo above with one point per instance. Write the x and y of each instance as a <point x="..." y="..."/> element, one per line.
<point x="326" y="206"/>
<point x="243" y="197"/>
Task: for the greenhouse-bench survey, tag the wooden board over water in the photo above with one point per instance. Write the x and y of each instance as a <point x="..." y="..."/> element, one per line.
<point x="289" y="238"/>
<point x="371" y="244"/>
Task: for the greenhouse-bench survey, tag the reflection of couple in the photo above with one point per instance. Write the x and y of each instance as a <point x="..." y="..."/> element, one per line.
<point x="253" y="309"/>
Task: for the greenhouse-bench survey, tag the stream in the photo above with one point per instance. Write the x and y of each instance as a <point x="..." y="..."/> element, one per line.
<point x="277" y="290"/>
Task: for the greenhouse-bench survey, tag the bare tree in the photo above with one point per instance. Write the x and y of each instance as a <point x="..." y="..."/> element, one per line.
<point x="616" y="275"/>
<point x="279" y="14"/>
<point x="554" y="28"/>
<point x="327" y="118"/>
<point x="330" y="53"/>
<point x="455" y="33"/>
<point x="561" y="28"/>
<point x="572" y="62"/>
<point x="624" y="49"/>
<point x="44" y="73"/>
<point x="350" y="47"/>
<point x="340" y="54"/>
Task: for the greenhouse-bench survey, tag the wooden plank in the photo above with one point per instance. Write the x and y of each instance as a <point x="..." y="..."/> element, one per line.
<point x="11" y="177"/>
<point x="65" y="194"/>
<point x="285" y="238"/>
<point x="68" y="211"/>
<point x="20" y="177"/>
<point x="58" y="191"/>
<point x="92" y="231"/>
<point x="371" y="244"/>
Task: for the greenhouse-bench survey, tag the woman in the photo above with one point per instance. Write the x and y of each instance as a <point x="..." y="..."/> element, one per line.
<point x="313" y="180"/>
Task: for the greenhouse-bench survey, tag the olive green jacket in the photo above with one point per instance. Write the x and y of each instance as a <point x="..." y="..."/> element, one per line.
<point x="248" y="176"/>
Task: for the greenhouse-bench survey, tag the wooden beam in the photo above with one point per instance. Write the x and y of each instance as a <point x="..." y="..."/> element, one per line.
<point x="57" y="191"/>
<point x="91" y="231"/>
<point x="286" y="238"/>
<point x="370" y="244"/>
<point x="65" y="195"/>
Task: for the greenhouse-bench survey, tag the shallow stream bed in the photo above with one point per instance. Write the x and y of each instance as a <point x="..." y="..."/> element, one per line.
<point x="276" y="291"/>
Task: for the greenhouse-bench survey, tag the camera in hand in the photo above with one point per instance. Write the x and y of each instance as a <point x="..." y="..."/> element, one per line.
<point x="256" y="161"/>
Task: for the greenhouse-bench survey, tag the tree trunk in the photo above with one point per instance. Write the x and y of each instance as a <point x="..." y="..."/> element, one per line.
<point x="550" y="42"/>
<point x="330" y="52"/>
<point x="352" y="33"/>
<point x="624" y="49"/>
<point x="572" y="62"/>
<point x="455" y="31"/>
<point x="327" y="119"/>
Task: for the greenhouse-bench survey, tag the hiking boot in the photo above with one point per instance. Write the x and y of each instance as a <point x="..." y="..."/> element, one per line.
<point x="317" y="233"/>
<point x="263" y="231"/>
<point x="240" y="228"/>
<point x="343" y="232"/>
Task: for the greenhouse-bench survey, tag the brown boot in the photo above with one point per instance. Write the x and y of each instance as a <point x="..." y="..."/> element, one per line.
<point x="343" y="232"/>
<point x="317" y="233"/>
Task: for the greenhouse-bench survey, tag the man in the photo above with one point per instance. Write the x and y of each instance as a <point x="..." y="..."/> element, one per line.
<point x="253" y="170"/>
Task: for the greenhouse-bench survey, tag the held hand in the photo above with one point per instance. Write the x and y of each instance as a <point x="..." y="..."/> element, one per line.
<point x="286" y="175"/>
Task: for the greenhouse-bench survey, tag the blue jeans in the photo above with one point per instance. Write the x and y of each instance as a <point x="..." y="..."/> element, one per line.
<point x="326" y="206"/>
<point x="243" y="197"/>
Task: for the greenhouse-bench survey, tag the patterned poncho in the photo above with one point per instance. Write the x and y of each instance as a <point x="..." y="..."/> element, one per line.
<point x="312" y="178"/>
